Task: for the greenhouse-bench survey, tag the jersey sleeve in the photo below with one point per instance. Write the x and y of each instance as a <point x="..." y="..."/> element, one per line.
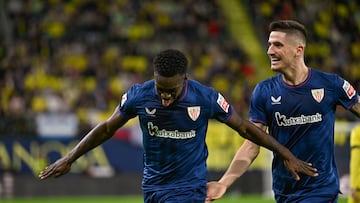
<point x="257" y="112"/>
<point x="221" y="109"/>
<point x="129" y="101"/>
<point x="346" y="93"/>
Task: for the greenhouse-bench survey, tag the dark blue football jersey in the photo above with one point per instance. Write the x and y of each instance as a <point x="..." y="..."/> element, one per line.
<point x="175" y="152"/>
<point x="302" y="118"/>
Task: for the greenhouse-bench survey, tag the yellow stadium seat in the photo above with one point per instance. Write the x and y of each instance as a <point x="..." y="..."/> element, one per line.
<point x="89" y="84"/>
<point x="79" y="62"/>
<point x="221" y="84"/>
<point x="38" y="104"/>
<point x="137" y="64"/>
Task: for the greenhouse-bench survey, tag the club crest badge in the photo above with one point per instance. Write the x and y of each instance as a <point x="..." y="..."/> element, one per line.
<point x="193" y="112"/>
<point x="318" y="94"/>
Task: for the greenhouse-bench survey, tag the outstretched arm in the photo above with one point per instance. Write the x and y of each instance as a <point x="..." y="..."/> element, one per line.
<point x="248" y="152"/>
<point x="356" y="108"/>
<point x="244" y="156"/>
<point x="258" y="136"/>
<point x="99" y="134"/>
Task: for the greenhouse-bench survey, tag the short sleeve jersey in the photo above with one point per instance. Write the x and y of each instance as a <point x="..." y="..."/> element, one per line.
<point x="302" y="118"/>
<point x="175" y="151"/>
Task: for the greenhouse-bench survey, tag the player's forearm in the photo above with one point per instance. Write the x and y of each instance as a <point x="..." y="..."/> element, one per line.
<point x="260" y="137"/>
<point x="243" y="158"/>
<point x="94" y="138"/>
<point x="236" y="169"/>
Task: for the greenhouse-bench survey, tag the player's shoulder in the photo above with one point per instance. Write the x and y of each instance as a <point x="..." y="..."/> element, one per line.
<point x="270" y="80"/>
<point x="143" y="87"/>
<point x="199" y="92"/>
<point x="317" y="74"/>
<point x="141" y="90"/>
<point x="328" y="80"/>
<point x="270" y="83"/>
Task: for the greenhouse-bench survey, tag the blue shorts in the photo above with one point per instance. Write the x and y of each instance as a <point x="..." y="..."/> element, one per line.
<point x="179" y="195"/>
<point x="307" y="199"/>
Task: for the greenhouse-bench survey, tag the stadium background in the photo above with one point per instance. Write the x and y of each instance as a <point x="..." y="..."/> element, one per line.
<point x="65" y="63"/>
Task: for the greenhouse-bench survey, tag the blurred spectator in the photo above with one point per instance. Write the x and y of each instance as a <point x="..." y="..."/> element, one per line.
<point x="79" y="56"/>
<point x="86" y="53"/>
<point x="16" y="121"/>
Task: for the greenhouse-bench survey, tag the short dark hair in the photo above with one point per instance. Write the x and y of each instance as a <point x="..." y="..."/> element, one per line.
<point x="289" y="26"/>
<point x="170" y="62"/>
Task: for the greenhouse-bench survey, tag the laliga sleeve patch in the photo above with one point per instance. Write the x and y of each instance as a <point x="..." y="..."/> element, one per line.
<point x="223" y="103"/>
<point x="349" y="89"/>
<point x="123" y="99"/>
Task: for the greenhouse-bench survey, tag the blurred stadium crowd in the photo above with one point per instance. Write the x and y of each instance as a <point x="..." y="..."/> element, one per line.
<point x="79" y="56"/>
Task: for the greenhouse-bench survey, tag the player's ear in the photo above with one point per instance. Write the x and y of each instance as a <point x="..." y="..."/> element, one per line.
<point x="300" y="50"/>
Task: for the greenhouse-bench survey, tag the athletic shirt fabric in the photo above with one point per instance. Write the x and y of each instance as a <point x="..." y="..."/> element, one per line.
<point x="175" y="151"/>
<point x="302" y="118"/>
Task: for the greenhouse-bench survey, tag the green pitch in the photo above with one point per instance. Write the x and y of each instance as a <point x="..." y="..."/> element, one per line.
<point x="133" y="199"/>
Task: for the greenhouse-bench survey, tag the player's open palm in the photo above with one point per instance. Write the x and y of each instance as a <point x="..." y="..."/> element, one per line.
<point x="215" y="190"/>
<point x="59" y="168"/>
<point x="297" y="166"/>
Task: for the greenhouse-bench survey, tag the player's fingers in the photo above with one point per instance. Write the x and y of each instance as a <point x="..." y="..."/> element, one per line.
<point x="47" y="172"/>
<point x="310" y="171"/>
<point x="295" y="175"/>
<point x="294" y="168"/>
<point x="44" y="173"/>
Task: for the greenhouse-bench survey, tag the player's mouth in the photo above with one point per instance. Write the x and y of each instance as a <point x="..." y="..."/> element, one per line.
<point x="274" y="61"/>
<point x="166" y="102"/>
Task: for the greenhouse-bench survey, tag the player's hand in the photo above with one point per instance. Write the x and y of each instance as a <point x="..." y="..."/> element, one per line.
<point x="297" y="166"/>
<point x="215" y="190"/>
<point x="59" y="168"/>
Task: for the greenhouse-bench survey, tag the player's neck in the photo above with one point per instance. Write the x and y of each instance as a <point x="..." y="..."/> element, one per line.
<point x="296" y="76"/>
